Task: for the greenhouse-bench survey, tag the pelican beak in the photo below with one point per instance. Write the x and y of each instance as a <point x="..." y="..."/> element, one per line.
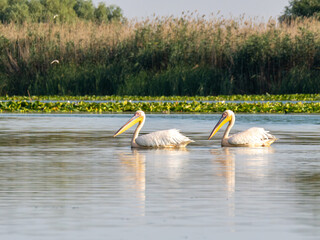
<point x="223" y="120"/>
<point x="136" y="118"/>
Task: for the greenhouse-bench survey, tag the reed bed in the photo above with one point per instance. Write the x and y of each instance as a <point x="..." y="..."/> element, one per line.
<point x="189" y="55"/>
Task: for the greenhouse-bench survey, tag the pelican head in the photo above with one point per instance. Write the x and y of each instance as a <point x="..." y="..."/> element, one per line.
<point x="227" y="116"/>
<point x="139" y="116"/>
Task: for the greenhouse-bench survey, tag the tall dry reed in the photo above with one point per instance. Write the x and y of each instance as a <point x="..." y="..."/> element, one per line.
<point x="161" y="56"/>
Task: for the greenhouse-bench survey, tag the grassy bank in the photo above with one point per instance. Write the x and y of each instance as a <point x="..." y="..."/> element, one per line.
<point x="190" y="55"/>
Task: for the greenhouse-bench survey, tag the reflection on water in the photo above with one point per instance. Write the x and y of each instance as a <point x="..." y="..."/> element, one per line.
<point x="249" y="158"/>
<point x="134" y="162"/>
<point x="66" y="177"/>
<point x="227" y="168"/>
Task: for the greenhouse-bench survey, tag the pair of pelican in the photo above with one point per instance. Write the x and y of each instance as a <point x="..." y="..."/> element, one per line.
<point x="253" y="137"/>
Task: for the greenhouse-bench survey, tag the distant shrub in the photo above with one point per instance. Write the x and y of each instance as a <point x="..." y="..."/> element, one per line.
<point x="57" y="11"/>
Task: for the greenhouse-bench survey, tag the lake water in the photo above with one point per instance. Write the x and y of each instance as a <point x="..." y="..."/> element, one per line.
<point x="66" y="177"/>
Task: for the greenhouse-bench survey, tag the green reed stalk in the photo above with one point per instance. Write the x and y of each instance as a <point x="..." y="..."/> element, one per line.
<point x="191" y="55"/>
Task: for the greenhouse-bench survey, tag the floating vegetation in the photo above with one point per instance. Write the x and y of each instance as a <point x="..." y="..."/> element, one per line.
<point x="157" y="107"/>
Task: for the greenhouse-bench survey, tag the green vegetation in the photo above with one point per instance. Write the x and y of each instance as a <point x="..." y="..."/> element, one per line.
<point x="265" y="97"/>
<point x="191" y="55"/>
<point x="158" y="107"/>
<point x="57" y="11"/>
<point x="300" y="9"/>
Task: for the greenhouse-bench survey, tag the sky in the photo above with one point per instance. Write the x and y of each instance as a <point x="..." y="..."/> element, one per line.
<point x="263" y="9"/>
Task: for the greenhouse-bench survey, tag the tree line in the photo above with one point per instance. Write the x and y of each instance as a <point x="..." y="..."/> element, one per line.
<point x="301" y="9"/>
<point x="38" y="11"/>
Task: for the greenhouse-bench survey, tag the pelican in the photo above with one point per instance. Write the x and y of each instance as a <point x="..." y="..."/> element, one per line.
<point x="253" y="137"/>
<point x="159" y="139"/>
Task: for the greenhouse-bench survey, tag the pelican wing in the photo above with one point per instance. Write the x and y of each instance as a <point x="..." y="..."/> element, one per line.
<point x="253" y="136"/>
<point x="165" y="138"/>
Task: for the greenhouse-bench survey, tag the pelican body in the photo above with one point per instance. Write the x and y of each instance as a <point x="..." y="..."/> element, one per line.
<point x="160" y="139"/>
<point x="253" y="137"/>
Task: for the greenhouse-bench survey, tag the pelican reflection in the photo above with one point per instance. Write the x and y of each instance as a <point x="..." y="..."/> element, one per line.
<point x="226" y="169"/>
<point x="135" y="173"/>
<point x="162" y="161"/>
<point x="256" y="161"/>
<point x="253" y="162"/>
<point x="169" y="161"/>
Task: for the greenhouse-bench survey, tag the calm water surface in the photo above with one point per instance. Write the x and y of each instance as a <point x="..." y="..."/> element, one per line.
<point x="66" y="177"/>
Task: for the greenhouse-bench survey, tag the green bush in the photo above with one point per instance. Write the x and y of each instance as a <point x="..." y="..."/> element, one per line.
<point x="57" y="11"/>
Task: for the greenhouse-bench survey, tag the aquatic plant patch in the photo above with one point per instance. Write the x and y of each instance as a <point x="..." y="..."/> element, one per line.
<point x="157" y="107"/>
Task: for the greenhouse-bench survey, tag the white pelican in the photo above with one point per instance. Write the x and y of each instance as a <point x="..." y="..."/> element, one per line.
<point x="253" y="137"/>
<point x="159" y="139"/>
